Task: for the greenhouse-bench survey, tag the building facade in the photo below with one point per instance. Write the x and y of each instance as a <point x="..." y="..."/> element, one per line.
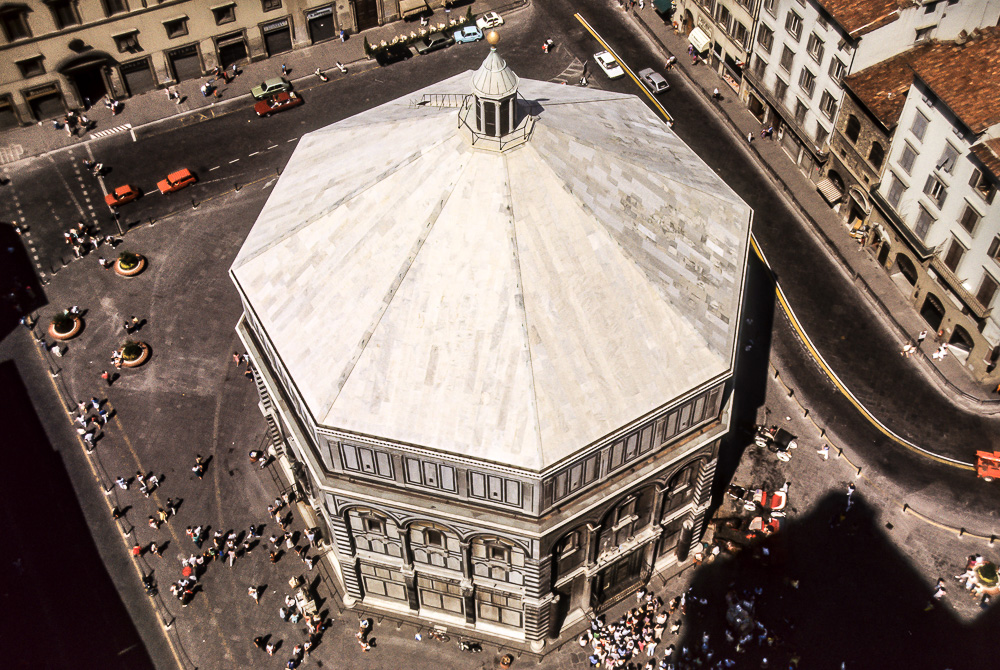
<point x="936" y="204"/>
<point x="497" y="355"/>
<point x="721" y="32"/>
<point x="57" y="54"/>
<point x="803" y="49"/>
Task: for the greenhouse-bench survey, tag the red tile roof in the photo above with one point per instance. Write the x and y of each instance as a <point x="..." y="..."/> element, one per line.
<point x="989" y="153"/>
<point x="858" y="17"/>
<point x="965" y="77"/>
<point x="882" y="88"/>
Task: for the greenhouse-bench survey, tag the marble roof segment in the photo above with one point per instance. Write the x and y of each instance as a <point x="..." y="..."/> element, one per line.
<point x="513" y="307"/>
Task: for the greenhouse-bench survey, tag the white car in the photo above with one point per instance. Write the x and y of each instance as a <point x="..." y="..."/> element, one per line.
<point x="610" y="66"/>
<point x="653" y="80"/>
<point x="489" y="20"/>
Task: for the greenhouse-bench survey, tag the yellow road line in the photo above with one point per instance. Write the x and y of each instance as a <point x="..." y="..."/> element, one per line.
<point x="832" y="376"/>
<point x="624" y="67"/>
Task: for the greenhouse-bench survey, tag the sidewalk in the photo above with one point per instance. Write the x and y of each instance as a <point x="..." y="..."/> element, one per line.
<point x="40" y="139"/>
<point x="873" y="283"/>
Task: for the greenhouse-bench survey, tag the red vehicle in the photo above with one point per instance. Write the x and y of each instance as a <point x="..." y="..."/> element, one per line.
<point x="988" y="464"/>
<point x="175" y="181"/>
<point x="121" y="195"/>
<point x="278" y="103"/>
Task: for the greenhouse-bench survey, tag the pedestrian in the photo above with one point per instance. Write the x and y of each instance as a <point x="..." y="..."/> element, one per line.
<point x="749" y="138"/>
<point x="824" y="452"/>
<point x="236" y="358"/>
<point x="199" y="467"/>
<point x="153" y="480"/>
<point x="850" y="492"/>
<point x="284" y="70"/>
<point x="162" y="515"/>
<point x="907" y="350"/>
<point x="106" y="376"/>
<point x="136" y="551"/>
<point x="135" y="323"/>
<point x="283" y="613"/>
<point x="154" y="549"/>
<point x="921" y="336"/>
<point x="270" y="649"/>
<point x="939" y="590"/>
<point x="273" y="556"/>
<point x="343" y="37"/>
<point x="154" y="524"/>
<point x="254" y="592"/>
<point x="116" y="513"/>
<point x="122" y="483"/>
<point x="128" y="327"/>
<point x="172" y="506"/>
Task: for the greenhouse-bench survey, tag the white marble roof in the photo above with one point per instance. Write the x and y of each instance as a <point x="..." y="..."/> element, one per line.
<point x="494" y="79"/>
<point x="513" y="307"/>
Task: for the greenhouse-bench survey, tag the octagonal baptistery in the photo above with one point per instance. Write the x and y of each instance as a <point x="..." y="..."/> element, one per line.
<point x="494" y="332"/>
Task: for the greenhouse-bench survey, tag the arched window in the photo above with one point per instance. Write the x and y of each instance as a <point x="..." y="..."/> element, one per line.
<point x="876" y="155"/>
<point x="853" y="129"/>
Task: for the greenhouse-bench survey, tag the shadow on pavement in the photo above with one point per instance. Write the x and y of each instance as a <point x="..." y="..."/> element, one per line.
<point x="751" y="372"/>
<point x="20" y="289"/>
<point x="62" y="610"/>
<point x="834" y="590"/>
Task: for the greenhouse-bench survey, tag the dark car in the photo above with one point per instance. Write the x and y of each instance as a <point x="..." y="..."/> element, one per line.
<point x="433" y="42"/>
<point x="392" y="54"/>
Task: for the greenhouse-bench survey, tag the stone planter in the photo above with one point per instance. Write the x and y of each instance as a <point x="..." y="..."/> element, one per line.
<point x="69" y="334"/>
<point x="131" y="272"/>
<point x="143" y="356"/>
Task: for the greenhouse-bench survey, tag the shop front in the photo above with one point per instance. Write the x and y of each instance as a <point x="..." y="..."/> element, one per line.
<point x="232" y="48"/>
<point x="138" y="76"/>
<point x="185" y="62"/>
<point x="277" y="36"/>
<point x="321" y="25"/>
<point x="45" y="102"/>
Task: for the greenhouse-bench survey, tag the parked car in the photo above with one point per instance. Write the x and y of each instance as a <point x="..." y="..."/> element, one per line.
<point x="392" y="54"/>
<point x="121" y="195"/>
<point x="468" y="34"/>
<point x="278" y="103"/>
<point x="653" y="80"/>
<point x="489" y="20"/>
<point x="434" y="42"/>
<point x="270" y="87"/>
<point x="175" y="181"/>
<point x="607" y="62"/>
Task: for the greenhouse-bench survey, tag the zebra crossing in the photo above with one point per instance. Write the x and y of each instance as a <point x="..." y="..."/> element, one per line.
<point x="571" y="75"/>
<point x="11" y="153"/>
<point x="110" y="131"/>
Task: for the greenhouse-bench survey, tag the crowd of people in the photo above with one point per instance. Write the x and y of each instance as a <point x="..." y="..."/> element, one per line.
<point x="653" y="635"/>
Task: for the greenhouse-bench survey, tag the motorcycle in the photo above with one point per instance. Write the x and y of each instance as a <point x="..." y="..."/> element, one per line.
<point x="470" y="646"/>
<point x="322" y="77"/>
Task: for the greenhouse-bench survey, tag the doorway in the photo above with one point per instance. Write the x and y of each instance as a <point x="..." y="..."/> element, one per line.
<point x="932" y="311"/>
<point x="366" y="14"/>
<point x="619" y="576"/>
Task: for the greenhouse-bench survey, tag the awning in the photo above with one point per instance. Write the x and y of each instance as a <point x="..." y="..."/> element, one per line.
<point x="699" y="40"/>
<point x="663" y="6"/>
<point x="410" y="7"/>
<point x="830" y="191"/>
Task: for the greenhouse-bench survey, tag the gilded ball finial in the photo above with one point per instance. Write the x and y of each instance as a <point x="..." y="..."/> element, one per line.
<point x="492" y="38"/>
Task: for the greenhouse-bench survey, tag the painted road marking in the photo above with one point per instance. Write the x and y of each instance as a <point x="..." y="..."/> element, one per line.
<point x="215" y="168"/>
<point x="235" y="160"/>
<point x="110" y="131"/>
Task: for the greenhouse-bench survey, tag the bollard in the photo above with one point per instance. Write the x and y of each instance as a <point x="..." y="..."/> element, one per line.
<point x="152" y="222"/>
<point x="905" y="507"/>
<point x="961" y="532"/>
<point x="992" y="539"/>
<point x="822" y="432"/>
<point x="236" y="187"/>
<point x="194" y="204"/>
<point x="805" y="412"/>
<point x="791" y="392"/>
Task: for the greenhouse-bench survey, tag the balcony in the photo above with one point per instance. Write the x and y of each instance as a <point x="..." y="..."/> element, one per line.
<point x="954" y="284"/>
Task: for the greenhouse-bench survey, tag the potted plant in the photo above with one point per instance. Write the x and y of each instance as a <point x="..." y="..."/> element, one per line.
<point x="130" y="264"/>
<point x="986" y="574"/>
<point x="134" y="354"/>
<point x="65" y="326"/>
